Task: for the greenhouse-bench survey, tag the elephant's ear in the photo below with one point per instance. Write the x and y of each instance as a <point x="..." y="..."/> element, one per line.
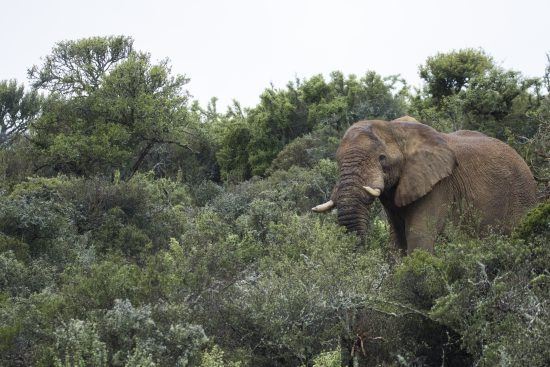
<point x="428" y="159"/>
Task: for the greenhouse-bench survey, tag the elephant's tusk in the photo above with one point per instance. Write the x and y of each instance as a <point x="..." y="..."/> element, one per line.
<point x="373" y="192"/>
<point x="323" y="207"/>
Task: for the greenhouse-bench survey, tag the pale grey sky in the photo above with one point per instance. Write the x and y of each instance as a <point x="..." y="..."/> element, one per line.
<point x="235" y="49"/>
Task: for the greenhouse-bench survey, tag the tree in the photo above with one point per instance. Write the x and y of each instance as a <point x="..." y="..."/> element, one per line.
<point x="17" y="108"/>
<point x="310" y="104"/>
<point x="500" y="101"/>
<point x="77" y="67"/>
<point x="446" y="74"/>
<point x="466" y="89"/>
<point x="233" y="153"/>
<point x="97" y="119"/>
<point x="149" y="102"/>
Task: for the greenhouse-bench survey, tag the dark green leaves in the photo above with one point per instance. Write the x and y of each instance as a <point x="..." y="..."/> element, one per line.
<point x="116" y="110"/>
<point x="17" y="109"/>
<point x="78" y="67"/>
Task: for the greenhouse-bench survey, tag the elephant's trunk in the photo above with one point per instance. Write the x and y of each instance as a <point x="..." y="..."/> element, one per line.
<point x="353" y="203"/>
<point x="353" y="218"/>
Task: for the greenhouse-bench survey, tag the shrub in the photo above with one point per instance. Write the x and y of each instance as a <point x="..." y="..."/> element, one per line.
<point x="307" y="150"/>
<point x="19" y="279"/>
<point x="498" y="295"/>
<point x="27" y="328"/>
<point x="420" y="280"/>
<point x="77" y="344"/>
<point x="327" y="359"/>
<point x="134" y="334"/>
<point x="293" y="305"/>
<point x="36" y="213"/>
<point x="98" y="286"/>
<point x="535" y="224"/>
<point x="215" y="358"/>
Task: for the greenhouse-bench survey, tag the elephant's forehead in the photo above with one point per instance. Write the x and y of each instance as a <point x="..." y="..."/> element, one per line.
<point x="359" y="140"/>
<point x="358" y="132"/>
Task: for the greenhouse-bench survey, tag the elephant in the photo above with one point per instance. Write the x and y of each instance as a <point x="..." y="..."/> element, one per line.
<point x="423" y="178"/>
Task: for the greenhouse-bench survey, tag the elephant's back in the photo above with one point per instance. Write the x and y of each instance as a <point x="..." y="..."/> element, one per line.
<point x="493" y="175"/>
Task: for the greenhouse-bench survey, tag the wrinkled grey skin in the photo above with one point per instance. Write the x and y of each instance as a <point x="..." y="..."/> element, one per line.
<point x="425" y="177"/>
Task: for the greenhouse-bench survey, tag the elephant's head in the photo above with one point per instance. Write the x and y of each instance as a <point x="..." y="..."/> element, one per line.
<point x="399" y="161"/>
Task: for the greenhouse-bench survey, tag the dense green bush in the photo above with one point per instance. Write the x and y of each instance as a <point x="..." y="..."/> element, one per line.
<point x="77" y="344"/>
<point x="307" y="150"/>
<point x="491" y="294"/>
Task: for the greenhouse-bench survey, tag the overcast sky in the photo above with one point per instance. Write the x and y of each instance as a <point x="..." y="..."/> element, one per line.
<point x="235" y="49"/>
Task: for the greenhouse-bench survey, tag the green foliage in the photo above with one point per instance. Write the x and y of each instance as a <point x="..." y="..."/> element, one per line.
<point x="215" y="358"/>
<point x="306" y="150"/>
<point x="27" y="327"/>
<point x="140" y="358"/>
<point x="18" y="248"/>
<point x="233" y="155"/>
<point x="465" y="89"/>
<point x="535" y="225"/>
<point x="295" y="302"/>
<point x="535" y="151"/>
<point x="17" y="109"/>
<point x="472" y="302"/>
<point x="500" y="100"/>
<point x="16" y="161"/>
<point x="77" y="67"/>
<point x="127" y="336"/>
<point x="125" y="106"/>
<point x="285" y="115"/>
<point x="78" y="344"/>
<point x="34" y="214"/>
<point x="251" y="140"/>
<point x="328" y="359"/>
<point x="18" y="278"/>
<point x="420" y="280"/>
<point x="99" y="286"/>
<point x="447" y="74"/>
<point x="139" y="336"/>
<point x="492" y="304"/>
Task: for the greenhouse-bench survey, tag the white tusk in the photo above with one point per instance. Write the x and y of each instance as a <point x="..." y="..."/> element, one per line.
<point x="373" y="192"/>
<point x="323" y="207"/>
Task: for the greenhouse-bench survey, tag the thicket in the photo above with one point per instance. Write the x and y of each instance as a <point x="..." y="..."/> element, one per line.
<point x="138" y="228"/>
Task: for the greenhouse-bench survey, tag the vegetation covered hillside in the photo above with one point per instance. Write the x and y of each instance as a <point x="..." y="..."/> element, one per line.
<point x="139" y="228"/>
